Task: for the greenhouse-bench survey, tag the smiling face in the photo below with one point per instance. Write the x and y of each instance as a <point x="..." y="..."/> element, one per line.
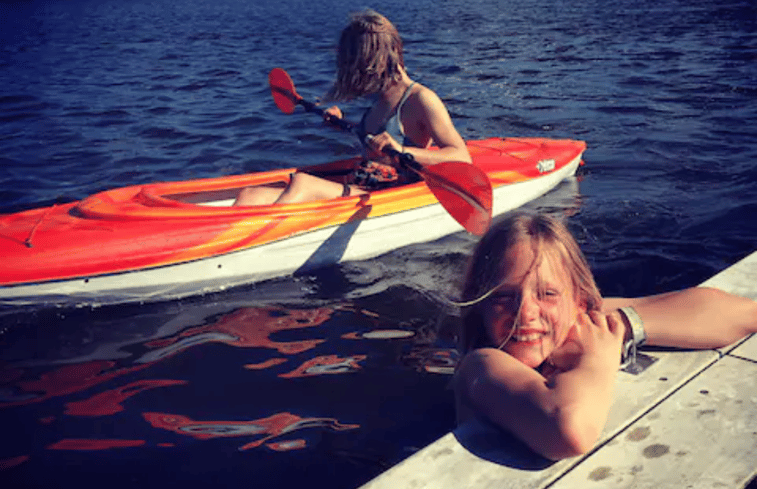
<point x="532" y="311"/>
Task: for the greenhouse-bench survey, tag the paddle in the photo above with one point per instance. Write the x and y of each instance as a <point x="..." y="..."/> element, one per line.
<point x="463" y="189"/>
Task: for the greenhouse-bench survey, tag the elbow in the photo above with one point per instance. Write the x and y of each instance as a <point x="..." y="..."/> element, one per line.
<point x="738" y="315"/>
<point x="567" y="448"/>
<point x="750" y="317"/>
<point x="462" y="154"/>
<point x="578" y="441"/>
<point x="573" y="437"/>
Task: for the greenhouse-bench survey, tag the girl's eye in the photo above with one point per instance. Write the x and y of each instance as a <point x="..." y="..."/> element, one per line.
<point x="550" y="294"/>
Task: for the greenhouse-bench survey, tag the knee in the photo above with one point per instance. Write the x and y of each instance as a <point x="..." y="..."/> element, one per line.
<point x="249" y="196"/>
<point x="244" y="197"/>
<point x="305" y="188"/>
<point x="299" y="180"/>
<point x="299" y="185"/>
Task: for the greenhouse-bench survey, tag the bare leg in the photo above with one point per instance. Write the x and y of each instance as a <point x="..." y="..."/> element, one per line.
<point x="302" y="188"/>
<point x="305" y="188"/>
<point x="259" y="195"/>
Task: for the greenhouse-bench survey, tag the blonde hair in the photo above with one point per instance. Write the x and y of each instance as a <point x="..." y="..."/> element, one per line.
<point x="370" y="57"/>
<point x="546" y="235"/>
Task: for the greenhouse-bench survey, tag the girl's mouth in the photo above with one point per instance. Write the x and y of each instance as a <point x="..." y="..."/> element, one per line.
<point x="528" y="336"/>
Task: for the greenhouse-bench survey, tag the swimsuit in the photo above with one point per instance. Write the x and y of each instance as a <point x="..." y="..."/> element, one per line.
<point x="370" y="175"/>
<point x="393" y="125"/>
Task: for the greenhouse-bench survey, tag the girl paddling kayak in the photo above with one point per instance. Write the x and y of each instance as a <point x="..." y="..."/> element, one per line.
<point x="407" y="117"/>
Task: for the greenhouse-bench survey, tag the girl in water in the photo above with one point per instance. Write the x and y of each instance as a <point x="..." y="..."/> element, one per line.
<point x="407" y="117"/>
<point x="541" y="347"/>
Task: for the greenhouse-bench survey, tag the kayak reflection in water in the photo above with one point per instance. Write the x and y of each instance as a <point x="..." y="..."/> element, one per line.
<point x="406" y="117"/>
<point x="542" y="347"/>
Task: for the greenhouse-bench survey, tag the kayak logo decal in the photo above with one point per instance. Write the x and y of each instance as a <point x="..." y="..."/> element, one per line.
<point x="545" y="166"/>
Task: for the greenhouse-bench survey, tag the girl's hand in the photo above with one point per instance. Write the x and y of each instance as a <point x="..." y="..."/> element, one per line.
<point x="379" y="143"/>
<point x="332" y="112"/>
<point x="595" y="340"/>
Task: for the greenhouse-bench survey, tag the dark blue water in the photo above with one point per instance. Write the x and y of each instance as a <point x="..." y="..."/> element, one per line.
<point x="332" y="377"/>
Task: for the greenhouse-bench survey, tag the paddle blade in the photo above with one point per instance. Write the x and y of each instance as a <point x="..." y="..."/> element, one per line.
<point x="282" y="88"/>
<point x="464" y="191"/>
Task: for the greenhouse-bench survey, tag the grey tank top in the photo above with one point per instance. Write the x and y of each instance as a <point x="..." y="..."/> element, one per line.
<point x="393" y="125"/>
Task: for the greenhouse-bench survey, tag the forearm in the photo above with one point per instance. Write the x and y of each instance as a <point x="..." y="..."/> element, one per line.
<point x="582" y="398"/>
<point x="560" y="419"/>
<point x="698" y="317"/>
<point x="558" y="416"/>
<point x="426" y="156"/>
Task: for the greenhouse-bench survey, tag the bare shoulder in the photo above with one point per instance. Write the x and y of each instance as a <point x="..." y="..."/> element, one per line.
<point x="481" y="357"/>
<point x="492" y="368"/>
<point x="423" y="96"/>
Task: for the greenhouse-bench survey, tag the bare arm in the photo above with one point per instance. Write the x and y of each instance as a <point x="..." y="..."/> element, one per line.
<point x="428" y="121"/>
<point x="560" y="417"/>
<point x="699" y="317"/>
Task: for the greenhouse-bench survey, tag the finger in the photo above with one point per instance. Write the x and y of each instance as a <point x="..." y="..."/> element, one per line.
<point x="334" y="111"/>
<point x="379" y="141"/>
<point x="615" y="323"/>
<point x="373" y="142"/>
<point x="599" y="319"/>
<point x="584" y="319"/>
<point x="575" y="332"/>
<point x="374" y="139"/>
<point x="583" y="322"/>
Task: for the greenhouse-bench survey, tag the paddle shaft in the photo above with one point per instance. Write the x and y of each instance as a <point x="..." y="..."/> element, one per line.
<point x="341" y="123"/>
<point x="404" y="158"/>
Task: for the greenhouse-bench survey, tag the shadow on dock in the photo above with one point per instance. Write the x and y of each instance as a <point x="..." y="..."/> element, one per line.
<point x="490" y="443"/>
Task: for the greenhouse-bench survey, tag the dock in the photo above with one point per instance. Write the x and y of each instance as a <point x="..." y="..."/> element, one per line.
<point x="688" y="419"/>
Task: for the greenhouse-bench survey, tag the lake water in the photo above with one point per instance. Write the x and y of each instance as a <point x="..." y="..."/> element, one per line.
<point x="329" y="378"/>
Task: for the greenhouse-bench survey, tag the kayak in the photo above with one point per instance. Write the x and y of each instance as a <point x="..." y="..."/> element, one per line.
<point x="169" y="240"/>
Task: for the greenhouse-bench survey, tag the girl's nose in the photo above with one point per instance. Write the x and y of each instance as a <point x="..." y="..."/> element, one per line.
<point x="529" y="308"/>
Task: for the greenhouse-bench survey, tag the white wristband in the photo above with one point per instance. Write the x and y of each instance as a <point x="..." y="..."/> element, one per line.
<point x="637" y="338"/>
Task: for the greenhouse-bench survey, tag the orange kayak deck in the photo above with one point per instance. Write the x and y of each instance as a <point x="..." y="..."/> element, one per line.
<point x="163" y="224"/>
